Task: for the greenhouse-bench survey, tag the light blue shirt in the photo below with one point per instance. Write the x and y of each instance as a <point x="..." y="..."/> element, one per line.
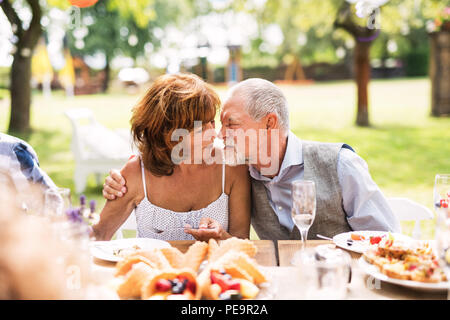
<point x="19" y="160"/>
<point x="363" y="202"/>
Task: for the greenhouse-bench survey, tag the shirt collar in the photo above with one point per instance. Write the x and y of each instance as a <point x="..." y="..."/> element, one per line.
<point x="292" y="157"/>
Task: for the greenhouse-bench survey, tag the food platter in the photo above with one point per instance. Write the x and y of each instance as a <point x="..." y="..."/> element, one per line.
<point x="364" y="242"/>
<point x="115" y="250"/>
<point x="374" y="272"/>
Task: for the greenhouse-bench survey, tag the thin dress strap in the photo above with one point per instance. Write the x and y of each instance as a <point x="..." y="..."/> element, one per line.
<point x="223" y="177"/>
<point x="143" y="179"/>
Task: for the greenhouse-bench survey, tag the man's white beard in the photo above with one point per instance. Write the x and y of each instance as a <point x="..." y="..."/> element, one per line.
<point x="233" y="157"/>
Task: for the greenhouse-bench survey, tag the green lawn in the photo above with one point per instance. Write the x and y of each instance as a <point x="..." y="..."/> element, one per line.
<point x="404" y="148"/>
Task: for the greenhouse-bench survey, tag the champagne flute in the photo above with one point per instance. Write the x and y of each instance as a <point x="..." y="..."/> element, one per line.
<point x="303" y="208"/>
<point x="441" y="197"/>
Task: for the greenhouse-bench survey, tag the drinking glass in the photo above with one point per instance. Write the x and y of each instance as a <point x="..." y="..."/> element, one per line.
<point x="74" y="236"/>
<point x="303" y="208"/>
<point x="57" y="202"/>
<point x="441" y="199"/>
<point x="441" y="196"/>
<point x="324" y="273"/>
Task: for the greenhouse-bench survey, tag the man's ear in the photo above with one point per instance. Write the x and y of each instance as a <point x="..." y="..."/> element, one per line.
<point x="271" y="121"/>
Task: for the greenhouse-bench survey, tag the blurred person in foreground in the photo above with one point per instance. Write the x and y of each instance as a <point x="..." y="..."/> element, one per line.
<point x="19" y="161"/>
<point x="34" y="263"/>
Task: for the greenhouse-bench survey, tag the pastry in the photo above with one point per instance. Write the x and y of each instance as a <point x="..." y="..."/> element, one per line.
<point x="122" y="267"/>
<point x="171" y="284"/>
<point x="191" y="259"/>
<point x="239" y="245"/>
<point x="156" y="257"/>
<point x="130" y="288"/>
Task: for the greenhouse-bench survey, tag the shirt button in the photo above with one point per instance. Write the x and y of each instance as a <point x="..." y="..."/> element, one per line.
<point x="280" y="208"/>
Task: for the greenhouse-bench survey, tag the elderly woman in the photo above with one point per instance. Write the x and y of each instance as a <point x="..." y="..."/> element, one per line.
<point x="176" y="200"/>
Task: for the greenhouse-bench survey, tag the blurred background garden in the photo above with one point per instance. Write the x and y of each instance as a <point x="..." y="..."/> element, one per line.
<point x="373" y="74"/>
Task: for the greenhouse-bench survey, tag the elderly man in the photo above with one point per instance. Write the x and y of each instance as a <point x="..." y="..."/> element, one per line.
<point x="347" y="197"/>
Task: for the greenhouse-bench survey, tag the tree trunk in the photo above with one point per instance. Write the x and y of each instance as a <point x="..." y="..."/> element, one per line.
<point x="294" y="71"/>
<point x="439" y="75"/>
<point x="20" y="73"/>
<point x="107" y="76"/>
<point x="20" y="90"/>
<point x="363" y="35"/>
<point x="362" y="76"/>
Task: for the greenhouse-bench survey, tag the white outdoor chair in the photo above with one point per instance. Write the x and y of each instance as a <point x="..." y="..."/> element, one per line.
<point x="407" y="210"/>
<point x="129" y="224"/>
<point x="96" y="149"/>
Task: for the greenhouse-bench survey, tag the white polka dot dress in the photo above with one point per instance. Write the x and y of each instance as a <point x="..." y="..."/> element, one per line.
<point x="159" y="223"/>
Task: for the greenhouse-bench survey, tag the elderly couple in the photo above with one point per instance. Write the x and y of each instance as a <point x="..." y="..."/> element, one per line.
<point x="215" y="200"/>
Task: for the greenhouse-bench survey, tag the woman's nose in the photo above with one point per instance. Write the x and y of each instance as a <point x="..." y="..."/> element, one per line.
<point x="221" y="134"/>
<point x="214" y="135"/>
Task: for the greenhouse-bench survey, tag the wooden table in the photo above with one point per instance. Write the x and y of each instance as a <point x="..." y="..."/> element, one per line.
<point x="275" y="258"/>
<point x="266" y="254"/>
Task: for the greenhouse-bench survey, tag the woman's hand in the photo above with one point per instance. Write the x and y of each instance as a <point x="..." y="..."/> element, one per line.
<point x="208" y="228"/>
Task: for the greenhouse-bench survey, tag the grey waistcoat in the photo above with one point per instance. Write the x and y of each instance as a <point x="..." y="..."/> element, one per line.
<point x="320" y="165"/>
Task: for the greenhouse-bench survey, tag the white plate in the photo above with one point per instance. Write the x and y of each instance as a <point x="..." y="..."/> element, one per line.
<point x="104" y="250"/>
<point x="373" y="271"/>
<point x="360" y="246"/>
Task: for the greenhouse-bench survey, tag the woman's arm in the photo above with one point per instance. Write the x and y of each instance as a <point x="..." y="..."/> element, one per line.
<point x="240" y="202"/>
<point x="239" y="206"/>
<point x="116" y="212"/>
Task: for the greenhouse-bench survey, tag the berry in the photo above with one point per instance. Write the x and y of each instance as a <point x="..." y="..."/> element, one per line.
<point x="375" y="240"/>
<point x="234" y="285"/>
<point x="190" y="285"/>
<point x="227" y="276"/>
<point x="230" y="295"/>
<point x="177" y="289"/>
<point x="163" y="285"/>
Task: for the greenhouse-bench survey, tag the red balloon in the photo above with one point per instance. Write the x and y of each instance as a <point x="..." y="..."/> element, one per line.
<point x="83" y="3"/>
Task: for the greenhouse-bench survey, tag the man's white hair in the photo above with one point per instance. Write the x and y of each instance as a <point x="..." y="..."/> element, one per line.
<point x="262" y="97"/>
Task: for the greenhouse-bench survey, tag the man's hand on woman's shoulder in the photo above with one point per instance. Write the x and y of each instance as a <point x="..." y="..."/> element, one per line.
<point x="115" y="184"/>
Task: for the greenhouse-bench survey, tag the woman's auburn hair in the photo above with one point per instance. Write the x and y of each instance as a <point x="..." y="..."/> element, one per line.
<point x="172" y="102"/>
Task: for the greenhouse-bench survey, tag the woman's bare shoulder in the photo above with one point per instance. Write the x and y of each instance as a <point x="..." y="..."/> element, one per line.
<point x="236" y="175"/>
<point x="132" y="174"/>
<point x="237" y="170"/>
<point x="132" y="166"/>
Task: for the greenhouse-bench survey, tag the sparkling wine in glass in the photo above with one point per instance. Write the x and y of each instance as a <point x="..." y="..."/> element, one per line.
<point x="303" y="207"/>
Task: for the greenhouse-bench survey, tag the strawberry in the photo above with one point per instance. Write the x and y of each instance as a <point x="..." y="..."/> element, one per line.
<point x="224" y="281"/>
<point x="190" y="285"/>
<point x="163" y="285"/>
<point x="375" y="240"/>
<point x="234" y="285"/>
